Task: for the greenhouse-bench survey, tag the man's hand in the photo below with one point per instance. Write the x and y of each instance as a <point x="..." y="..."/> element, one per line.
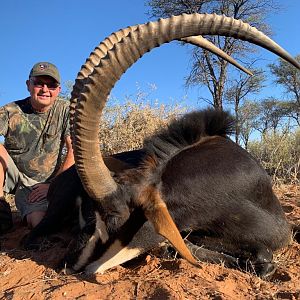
<point x="39" y="192"/>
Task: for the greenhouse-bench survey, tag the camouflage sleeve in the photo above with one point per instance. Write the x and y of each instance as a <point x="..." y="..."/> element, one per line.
<point x="3" y="121"/>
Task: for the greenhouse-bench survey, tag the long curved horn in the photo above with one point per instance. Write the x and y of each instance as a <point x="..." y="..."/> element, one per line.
<point x="200" y="41"/>
<point x="93" y="173"/>
<point x="93" y="60"/>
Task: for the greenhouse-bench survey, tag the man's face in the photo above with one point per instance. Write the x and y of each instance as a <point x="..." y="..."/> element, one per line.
<point x="43" y="91"/>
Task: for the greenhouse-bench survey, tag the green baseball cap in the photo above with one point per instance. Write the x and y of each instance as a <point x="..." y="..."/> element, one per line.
<point x="45" y="68"/>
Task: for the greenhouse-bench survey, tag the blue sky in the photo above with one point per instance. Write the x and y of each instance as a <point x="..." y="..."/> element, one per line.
<point x="66" y="31"/>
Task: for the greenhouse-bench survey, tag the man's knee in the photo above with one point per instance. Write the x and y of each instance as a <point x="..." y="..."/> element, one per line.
<point x="3" y="157"/>
<point x="34" y="218"/>
<point x="3" y="167"/>
<point x="9" y="173"/>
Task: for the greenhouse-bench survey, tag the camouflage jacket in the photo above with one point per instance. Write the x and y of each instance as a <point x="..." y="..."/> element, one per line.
<point x="35" y="140"/>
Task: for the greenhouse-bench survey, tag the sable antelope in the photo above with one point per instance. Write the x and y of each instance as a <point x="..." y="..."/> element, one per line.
<point x="191" y="172"/>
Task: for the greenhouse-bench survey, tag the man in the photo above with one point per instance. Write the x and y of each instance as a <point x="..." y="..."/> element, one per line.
<point x="37" y="145"/>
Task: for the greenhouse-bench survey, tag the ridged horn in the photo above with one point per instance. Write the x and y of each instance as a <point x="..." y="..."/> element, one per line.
<point x="93" y="60"/>
<point x="93" y="173"/>
<point x="200" y="41"/>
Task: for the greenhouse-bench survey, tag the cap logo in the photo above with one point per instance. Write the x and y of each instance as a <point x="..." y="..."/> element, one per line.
<point x="43" y="67"/>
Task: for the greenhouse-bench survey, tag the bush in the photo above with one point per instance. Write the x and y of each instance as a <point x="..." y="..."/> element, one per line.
<point x="279" y="154"/>
<point x="125" y="126"/>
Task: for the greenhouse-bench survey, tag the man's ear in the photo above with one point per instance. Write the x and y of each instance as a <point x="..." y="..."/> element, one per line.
<point x="28" y="84"/>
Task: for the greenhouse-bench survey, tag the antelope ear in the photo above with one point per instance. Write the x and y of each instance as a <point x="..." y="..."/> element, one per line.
<point x="157" y="213"/>
<point x="115" y="165"/>
<point x="165" y="226"/>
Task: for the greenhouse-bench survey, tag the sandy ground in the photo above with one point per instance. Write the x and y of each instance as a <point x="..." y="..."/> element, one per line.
<point x="32" y="275"/>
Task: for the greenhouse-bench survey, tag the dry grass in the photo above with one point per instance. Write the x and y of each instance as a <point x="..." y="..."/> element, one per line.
<point x="279" y="154"/>
<point x="124" y="126"/>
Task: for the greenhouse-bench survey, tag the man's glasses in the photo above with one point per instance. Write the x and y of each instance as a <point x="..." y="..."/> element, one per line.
<point x="40" y="84"/>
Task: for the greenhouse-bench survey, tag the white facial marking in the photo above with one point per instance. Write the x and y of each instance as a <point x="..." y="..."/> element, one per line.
<point x="145" y="239"/>
<point x="100" y="233"/>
